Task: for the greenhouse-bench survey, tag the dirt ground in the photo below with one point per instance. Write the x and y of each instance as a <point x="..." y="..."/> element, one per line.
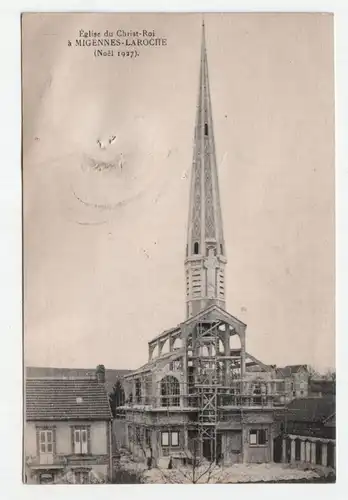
<point x="207" y="473"/>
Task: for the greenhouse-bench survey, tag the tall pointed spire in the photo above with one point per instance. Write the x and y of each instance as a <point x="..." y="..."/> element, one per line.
<point x="205" y="251"/>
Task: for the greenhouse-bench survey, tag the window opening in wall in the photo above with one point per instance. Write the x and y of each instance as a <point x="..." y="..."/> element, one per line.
<point x="46" y="441"/>
<point x="221" y="248"/>
<point x="258" y="437"/>
<point x="170" y="438"/>
<point x="80" y="441"/>
<point x="138" y="391"/>
<point x="175" y="439"/>
<point x="196" y="248"/>
<point x="205" y="129"/>
<point x="170" y="391"/>
<point x="165" y="438"/>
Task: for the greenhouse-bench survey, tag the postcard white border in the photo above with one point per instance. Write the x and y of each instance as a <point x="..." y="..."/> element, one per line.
<point x="11" y="486"/>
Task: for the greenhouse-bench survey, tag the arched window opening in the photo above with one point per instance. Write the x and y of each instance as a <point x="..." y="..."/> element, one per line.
<point x="165" y="347"/>
<point x="196" y="248"/>
<point x="154" y="353"/>
<point x="205" y="129"/>
<point x="221" y="347"/>
<point x="177" y="344"/>
<point x="138" y="391"/>
<point x="221" y="248"/>
<point x="170" y="391"/>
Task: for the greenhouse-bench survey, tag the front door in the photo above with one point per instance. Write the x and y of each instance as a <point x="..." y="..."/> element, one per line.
<point x="46" y="447"/>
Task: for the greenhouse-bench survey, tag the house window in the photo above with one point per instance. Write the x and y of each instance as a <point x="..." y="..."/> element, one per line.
<point x="174" y="438"/>
<point x="46" y="441"/>
<point x="80" y="441"/>
<point x="258" y="437"/>
<point x="81" y="477"/>
<point x="170" y="438"/>
<point x="165" y="438"/>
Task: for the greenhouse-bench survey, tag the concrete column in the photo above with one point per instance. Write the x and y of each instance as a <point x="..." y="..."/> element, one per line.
<point x="313" y="452"/>
<point x="324" y="454"/>
<point x="293" y="451"/>
<point x="284" y="450"/>
<point x="308" y="452"/>
<point x="303" y="451"/>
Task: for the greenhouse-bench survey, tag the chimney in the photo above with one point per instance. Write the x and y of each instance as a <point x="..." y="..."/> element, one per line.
<point x="100" y="374"/>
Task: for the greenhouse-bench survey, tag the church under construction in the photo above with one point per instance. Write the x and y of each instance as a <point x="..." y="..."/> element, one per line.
<point x="201" y="392"/>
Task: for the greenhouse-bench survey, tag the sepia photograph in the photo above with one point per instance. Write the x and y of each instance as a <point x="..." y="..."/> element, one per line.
<point x="178" y="177"/>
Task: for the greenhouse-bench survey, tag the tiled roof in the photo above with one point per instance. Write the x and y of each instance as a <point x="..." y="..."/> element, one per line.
<point x="66" y="399"/>
<point x="288" y="370"/>
<point x="41" y="371"/>
<point x="324" y="386"/>
<point x="310" y="409"/>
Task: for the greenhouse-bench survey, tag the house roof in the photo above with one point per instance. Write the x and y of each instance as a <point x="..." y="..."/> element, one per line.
<point x="289" y="370"/>
<point x="66" y="399"/>
<point x="310" y="409"/>
<point x="322" y="386"/>
<point x="45" y="372"/>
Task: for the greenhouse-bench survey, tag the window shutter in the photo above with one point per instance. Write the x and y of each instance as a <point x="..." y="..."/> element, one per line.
<point x="89" y="448"/>
<point x="77" y="444"/>
<point x="72" y="440"/>
<point x="83" y="438"/>
<point x="54" y="441"/>
<point x="49" y="442"/>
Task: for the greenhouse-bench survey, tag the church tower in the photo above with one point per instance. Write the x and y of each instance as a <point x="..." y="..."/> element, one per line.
<point x="205" y="251"/>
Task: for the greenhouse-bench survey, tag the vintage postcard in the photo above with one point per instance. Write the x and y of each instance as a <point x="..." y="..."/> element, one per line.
<point x="179" y="248"/>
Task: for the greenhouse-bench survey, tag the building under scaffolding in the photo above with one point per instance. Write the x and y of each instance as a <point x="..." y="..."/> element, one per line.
<point x="201" y="393"/>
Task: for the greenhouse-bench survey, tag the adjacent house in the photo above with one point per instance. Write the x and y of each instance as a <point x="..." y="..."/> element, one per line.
<point x="307" y="431"/>
<point x="296" y="381"/>
<point x="321" y="387"/>
<point x="68" y="430"/>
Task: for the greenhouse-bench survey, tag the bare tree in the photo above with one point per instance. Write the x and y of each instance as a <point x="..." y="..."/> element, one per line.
<point x="195" y="468"/>
<point x="330" y="374"/>
<point x="313" y="373"/>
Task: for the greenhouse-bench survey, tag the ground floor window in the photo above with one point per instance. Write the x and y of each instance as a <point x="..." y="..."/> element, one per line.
<point x="258" y="437"/>
<point x="170" y="438"/>
<point x="46" y="478"/>
<point x="81" y="477"/>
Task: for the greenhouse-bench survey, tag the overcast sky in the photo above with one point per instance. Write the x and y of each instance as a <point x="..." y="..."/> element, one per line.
<point x="104" y="250"/>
